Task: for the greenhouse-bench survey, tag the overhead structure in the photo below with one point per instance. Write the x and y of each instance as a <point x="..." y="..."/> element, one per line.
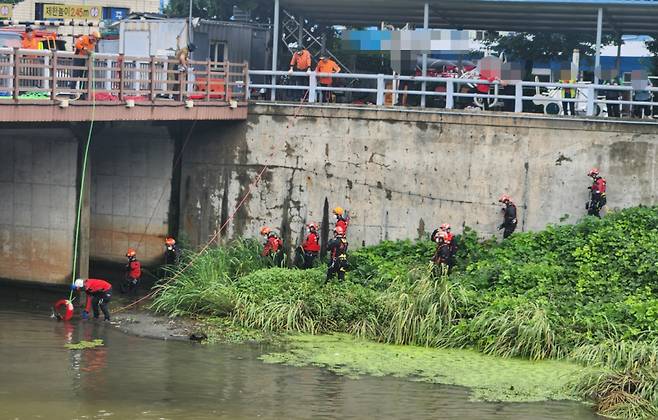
<point x="631" y="17"/>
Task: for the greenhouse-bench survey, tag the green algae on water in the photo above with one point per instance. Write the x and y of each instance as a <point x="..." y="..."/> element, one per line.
<point x="490" y="378"/>
<point x="83" y="345"/>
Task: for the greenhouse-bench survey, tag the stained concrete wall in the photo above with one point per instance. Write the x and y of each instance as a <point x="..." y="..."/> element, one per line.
<point x="131" y="169"/>
<point x="403" y="173"/>
<point x="37" y="205"/>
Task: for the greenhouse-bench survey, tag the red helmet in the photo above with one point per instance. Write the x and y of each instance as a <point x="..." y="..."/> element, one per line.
<point x="170" y="241"/>
<point x="593" y="172"/>
<point x="312" y="226"/>
<point x="265" y="230"/>
<point x="445" y="226"/>
<point x="131" y="253"/>
<point x="504" y="198"/>
<point x="338" y="230"/>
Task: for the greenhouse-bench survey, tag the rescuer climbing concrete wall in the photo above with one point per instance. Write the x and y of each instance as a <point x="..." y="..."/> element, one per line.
<point x="37" y="204"/>
<point x="403" y="173"/>
<point x="131" y="169"/>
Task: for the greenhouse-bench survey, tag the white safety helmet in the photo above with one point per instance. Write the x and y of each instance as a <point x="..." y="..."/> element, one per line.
<point x="79" y="283"/>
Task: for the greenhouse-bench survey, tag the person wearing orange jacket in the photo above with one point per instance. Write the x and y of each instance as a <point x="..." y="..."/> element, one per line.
<point x="342" y="218"/>
<point x="99" y="294"/>
<point x="273" y="246"/>
<point x="29" y="41"/>
<point x="85" y="46"/>
<point x="311" y="246"/>
<point x="301" y="61"/>
<point x="326" y="65"/>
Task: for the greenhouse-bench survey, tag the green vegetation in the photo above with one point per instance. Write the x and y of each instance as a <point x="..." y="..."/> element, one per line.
<point x="584" y="291"/>
<point x="84" y="345"/>
<point x="490" y="378"/>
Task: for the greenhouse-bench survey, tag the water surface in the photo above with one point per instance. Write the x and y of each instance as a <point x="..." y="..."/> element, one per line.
<point x="137" y="378"/>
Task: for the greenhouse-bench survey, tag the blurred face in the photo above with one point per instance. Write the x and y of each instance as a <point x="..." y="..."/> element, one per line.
<point x="30" y="35"/>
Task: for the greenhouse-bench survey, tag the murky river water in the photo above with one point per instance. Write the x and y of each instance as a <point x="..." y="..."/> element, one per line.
<point x="137" y="378"/>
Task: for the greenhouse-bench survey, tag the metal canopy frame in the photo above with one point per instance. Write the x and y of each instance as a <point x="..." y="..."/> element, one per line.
<point x="621" y="17"/>
<point x="632" y="17"/>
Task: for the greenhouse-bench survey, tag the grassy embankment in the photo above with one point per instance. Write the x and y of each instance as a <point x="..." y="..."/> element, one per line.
<point x="586" y="292"/>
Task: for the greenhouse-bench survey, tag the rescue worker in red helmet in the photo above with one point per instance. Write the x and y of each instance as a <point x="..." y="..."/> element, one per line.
<point x="99" y="294"/>
<point x="171" y="251"/>
<point x="273" y="247"/>
<point x="509" y="216"/>
<point x="597" y="194"/>
<point x="337" y="248"/>
<point x="311" y="246"/>
<point x="342" y="219"/>
<point x="133" y="273"/>
<point x="441" y="255"/>
<point x="452" y="243"/>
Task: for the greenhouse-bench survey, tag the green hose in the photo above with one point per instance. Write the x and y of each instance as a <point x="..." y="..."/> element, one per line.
<point x="84" y="174"/>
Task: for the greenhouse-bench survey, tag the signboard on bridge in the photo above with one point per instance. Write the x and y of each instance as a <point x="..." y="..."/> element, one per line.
<point x="75" y="12"/>
<point x="6" y="11"/>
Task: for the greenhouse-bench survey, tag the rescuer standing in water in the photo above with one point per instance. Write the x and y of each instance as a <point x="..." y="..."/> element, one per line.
<point x="99" y="294"/>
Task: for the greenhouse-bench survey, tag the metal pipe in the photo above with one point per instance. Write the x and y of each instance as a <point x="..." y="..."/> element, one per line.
<point x="189" y="24"/>
<point x="599" y="34"/>
<point x="426" y="26"/>
<point x="275" y="46"/>
<point x="300" y="32"/>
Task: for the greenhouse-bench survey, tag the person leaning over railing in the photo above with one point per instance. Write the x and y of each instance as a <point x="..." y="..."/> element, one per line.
<point x="84" y="49"/>
<point x="326" y="65"/>
<point x="300" y="61"/>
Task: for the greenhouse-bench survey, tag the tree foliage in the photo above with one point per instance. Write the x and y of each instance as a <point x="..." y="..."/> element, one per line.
<point x="260" y="10"/>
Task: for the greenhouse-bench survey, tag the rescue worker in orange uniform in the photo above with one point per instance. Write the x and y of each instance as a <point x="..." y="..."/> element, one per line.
<point x="29" y="41"/>
<point x="99" y="294"/>
<point x="342" y="219"/>
<point x="597" y="193"/>
<point x="311" y="246"/>
<point x="301" y="61"/>
<point x="133" y="272"/>
<point x="509" y="216"/>
<point x="337" y="248"/>
<point x="273" y="246"/>
<point x="326" y="65"/>
<point x="85" y="46"/>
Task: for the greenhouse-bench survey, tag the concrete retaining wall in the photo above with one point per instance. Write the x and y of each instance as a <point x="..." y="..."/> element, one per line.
<point x="37" y="204"/>
<point x="403" y="173"/>
<point x="131" y="169"/>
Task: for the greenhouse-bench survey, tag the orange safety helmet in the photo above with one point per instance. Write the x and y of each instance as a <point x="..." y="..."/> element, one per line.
<point x="131" y="253"/>
<point x="593" y="172"/>
<point x="338" y="211"/>
<point x="265" y="230"/>
<point x="338" y="230"/>
<point x="170" y="241"/>
<point x="504" y="198"/>
<point x="445" y="227"/>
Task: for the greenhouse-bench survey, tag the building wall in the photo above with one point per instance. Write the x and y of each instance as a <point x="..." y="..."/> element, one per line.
<point x="131" y="169"/>
<point x="403" y="173"/>
<point x="37" y="209"/>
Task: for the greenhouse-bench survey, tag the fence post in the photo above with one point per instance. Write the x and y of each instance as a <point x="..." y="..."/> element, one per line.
<point x="312" y="85"/>
<point x="590" y="100"/>
<point x="380" y="90"/>
<point x="16" y="72"/>
<point x="208" y="81"/>
<point x="90" y="69"/>
<point x="121" y="77"/>
<point x="518" y="96"/>
<point x="46" y="72"/>
<point x="152" y="78"/>
<point x="227" y="82"/>
<point x="247" y="82"/>
<point x="450" y="91"/>
<point x="53" y="75"/>
<point x="423" y="99"/>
